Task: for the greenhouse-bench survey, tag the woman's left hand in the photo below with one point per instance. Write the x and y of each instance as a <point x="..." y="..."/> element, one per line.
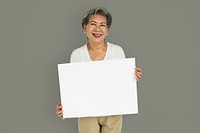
<point x="138" y="73"/>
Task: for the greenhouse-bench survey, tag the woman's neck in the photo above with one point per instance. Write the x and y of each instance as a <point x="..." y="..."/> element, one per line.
<point x="97" y="46"/>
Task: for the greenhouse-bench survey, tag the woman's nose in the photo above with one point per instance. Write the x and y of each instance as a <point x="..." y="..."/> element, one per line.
<point x="97" y="28"/>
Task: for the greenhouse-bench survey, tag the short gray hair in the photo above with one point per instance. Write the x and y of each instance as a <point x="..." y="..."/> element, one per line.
<point x="97" y="11"/>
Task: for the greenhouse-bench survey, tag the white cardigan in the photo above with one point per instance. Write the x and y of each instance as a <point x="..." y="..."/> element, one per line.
<point x="81" y="54"/>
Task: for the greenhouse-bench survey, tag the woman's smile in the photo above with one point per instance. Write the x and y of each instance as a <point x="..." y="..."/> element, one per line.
<point x="97" y="35"/>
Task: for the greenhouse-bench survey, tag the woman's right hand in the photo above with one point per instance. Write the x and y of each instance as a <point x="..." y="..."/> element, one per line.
<point x="59" y="110"/>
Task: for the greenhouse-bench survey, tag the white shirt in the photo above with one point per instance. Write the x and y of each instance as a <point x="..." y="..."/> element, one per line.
<point x="81" y="54"/>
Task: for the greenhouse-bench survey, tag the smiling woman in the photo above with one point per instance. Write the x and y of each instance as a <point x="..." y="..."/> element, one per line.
<point x="96" y="24"/>
<point x="96" y="29"/>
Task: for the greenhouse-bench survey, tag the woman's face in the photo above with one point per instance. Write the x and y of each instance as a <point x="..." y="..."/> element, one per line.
<point x="96" y="29"/>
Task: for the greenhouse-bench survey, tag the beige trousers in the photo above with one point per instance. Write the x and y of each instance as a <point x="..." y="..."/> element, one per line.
<point x="105" y="124"/>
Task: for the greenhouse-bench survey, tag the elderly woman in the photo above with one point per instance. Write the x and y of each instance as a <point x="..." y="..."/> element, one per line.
<point x="96" y="24"/>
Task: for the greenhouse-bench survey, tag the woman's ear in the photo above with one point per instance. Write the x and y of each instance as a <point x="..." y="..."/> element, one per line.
<point x="84" y="28"/>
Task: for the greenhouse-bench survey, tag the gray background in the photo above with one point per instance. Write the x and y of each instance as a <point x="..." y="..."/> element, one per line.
<point x="163" y="35"/>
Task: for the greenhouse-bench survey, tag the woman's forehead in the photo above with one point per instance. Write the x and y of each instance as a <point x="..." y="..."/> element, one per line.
<point x="97" y="18"/>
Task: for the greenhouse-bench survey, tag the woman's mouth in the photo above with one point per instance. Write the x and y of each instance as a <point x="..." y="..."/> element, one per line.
<point x="96" y="35"/>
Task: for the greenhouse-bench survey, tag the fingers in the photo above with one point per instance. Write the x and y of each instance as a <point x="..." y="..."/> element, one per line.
<point x="138" y="76"/>
<point x="59" y="111"/>
<point x="138" y="73"/>
<point x="59" y="106"/>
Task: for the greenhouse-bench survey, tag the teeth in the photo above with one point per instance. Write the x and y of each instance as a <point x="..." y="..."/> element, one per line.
<point x="97" y="35"/>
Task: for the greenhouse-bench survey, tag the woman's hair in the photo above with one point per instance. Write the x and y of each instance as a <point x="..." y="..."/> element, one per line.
<point x="97" y="11"/>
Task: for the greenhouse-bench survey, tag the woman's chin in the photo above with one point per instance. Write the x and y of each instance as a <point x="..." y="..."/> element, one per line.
<point x="97" y="40"/>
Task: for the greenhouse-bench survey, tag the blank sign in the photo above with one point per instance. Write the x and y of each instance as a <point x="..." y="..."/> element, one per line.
<point x="98" y="88"/>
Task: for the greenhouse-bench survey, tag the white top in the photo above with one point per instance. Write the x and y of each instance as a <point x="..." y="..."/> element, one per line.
<point x="81" y="54"/>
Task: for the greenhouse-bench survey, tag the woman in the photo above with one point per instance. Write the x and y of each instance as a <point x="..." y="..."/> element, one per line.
<point x="96" y="24"/>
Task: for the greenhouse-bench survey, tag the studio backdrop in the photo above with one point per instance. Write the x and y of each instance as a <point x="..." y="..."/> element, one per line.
<point x="163" y="36"/>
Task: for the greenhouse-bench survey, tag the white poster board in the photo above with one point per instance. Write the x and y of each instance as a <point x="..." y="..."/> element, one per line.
<point x="98" y="88"/>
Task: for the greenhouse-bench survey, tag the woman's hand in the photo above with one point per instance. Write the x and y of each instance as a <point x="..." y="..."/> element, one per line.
<point x="59" y="110"/>
<point x="138" y="73"/>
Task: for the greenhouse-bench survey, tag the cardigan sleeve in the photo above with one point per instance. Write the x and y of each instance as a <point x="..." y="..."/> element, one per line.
<point x="120" y="53"/>
<point x="75" y="56"/>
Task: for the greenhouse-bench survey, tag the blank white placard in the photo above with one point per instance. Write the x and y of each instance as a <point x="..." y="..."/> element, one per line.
<point x="98" y="88"/>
